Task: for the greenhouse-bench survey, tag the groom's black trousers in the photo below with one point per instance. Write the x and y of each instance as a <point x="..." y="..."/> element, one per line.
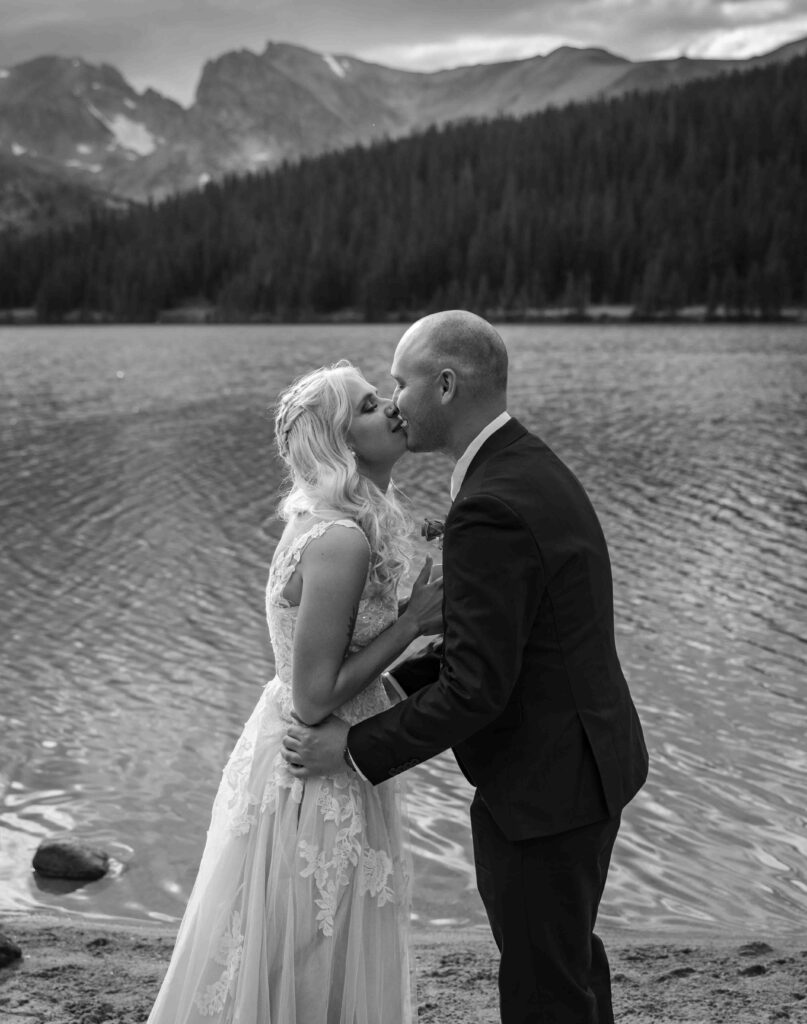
<point x="541" y="897"/>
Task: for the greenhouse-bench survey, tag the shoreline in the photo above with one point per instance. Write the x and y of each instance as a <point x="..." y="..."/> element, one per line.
<point x="78" y="971"/>
<point x="593" y="314"/>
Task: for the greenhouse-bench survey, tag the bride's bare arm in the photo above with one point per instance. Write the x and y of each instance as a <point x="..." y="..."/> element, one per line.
<point x="334" y="571"/>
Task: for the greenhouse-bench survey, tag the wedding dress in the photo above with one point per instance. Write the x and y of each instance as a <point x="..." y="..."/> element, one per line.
<point x="300" y="910"/>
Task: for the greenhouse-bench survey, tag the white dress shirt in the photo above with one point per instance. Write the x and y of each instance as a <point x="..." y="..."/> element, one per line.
<point x="467" y="456"/>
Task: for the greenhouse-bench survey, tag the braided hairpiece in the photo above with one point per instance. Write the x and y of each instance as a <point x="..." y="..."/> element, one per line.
<point x="293" y="403"/>
<point x="285" y="419"/>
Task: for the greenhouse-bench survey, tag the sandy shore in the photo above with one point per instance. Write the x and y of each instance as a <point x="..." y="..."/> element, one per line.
<point x="85" y="973"/>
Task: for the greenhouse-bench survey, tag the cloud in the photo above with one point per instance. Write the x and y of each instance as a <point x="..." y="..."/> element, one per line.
<point x="748" y="41"/>
<point x="637" y="29"/>
<point x="463" y="50"/>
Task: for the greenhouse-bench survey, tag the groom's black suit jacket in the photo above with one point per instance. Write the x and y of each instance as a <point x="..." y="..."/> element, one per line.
<point x="528" y="688"/>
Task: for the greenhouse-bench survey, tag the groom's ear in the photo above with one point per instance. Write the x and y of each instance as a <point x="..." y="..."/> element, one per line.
<point x="448" y="385"/>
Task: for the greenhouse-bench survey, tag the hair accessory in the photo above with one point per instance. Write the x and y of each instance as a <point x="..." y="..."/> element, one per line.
<point x="285" y="421"/>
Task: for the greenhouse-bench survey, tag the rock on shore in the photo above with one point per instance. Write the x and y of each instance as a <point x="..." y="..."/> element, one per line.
<point x="9" y="950"/>
<point x="69" y="858"/>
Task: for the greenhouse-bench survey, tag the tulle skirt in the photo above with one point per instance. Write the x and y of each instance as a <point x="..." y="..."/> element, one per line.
<point x="300" y="911"/>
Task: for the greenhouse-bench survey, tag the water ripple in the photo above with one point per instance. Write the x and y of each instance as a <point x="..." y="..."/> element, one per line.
<point x="137" y="514"/>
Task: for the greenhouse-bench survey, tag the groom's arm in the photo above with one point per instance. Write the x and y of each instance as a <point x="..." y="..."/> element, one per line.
<point x="493" y="583"/>
<point x="420" y="670"/>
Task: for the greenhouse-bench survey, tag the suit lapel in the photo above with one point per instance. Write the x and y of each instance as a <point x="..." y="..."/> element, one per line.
<point x="504" y="436"/>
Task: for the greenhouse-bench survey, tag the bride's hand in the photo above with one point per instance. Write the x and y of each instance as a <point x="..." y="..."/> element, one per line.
<point x="425" y="603"/>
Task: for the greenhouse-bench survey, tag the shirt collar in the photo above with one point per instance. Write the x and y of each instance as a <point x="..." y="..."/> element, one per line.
<point x="467" y="456"/>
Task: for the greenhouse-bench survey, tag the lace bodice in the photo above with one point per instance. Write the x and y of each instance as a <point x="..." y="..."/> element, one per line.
<point x="376" y="612"/>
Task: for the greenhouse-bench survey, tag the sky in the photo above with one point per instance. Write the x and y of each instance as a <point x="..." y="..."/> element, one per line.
<point x="165" y="43"/>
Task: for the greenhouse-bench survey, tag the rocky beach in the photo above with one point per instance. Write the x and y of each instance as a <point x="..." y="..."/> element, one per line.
<point x="83" y="972"/>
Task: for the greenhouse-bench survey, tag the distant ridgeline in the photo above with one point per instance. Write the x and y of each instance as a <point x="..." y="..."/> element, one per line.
<point x="692" y="196"/>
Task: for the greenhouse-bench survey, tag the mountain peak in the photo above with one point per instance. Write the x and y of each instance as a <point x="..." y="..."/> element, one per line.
<point x="577" y="53"/>
<point x="70" y="74"/>
<point x="255" y="109"/>
<point x="274" y="48"/>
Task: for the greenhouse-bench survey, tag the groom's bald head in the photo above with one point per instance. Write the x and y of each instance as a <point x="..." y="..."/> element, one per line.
<point x="450" y="371"/>
<point x="463" y="342"/>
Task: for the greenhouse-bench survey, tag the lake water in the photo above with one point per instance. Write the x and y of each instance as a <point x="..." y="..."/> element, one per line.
<point x="136" y="518"/>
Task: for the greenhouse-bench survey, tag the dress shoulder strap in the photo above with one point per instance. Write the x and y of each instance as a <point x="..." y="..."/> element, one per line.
<point x="318" y="529"/>
<point x="294" y="551"/>
<point x="285" y="562"/>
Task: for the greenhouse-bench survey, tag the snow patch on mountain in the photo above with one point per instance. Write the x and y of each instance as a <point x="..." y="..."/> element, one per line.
<point x="334" y="65"/>
<point x="129" y="134"/>
<point x="93" y="168"/>
<point x="132" y="135"/>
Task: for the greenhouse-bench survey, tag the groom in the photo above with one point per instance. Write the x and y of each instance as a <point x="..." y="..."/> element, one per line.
<point x="527" y="689"/>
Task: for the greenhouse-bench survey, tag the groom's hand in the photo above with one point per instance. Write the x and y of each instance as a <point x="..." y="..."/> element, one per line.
<point x="316" y="749"/>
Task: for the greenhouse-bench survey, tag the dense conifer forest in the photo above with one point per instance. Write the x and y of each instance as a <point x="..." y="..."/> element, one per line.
<point x="694" y="195"/>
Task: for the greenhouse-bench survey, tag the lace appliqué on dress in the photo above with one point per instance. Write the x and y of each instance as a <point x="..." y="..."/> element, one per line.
<point x="377" y="869"/>
<point x="331" y="867"/>
<point x="242" y="807"/>
<point x="239" y="801"/>
<point x="235" y="789"/>
<point x="228" y="954"/>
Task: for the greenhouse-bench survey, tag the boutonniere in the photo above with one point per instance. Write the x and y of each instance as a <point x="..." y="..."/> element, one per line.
<point x="433" y="529"/>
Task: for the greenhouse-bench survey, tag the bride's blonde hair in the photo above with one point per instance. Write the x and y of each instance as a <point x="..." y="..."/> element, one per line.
<point x="312" y="421"/>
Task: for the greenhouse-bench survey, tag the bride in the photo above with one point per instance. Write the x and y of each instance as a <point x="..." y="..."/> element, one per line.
<point x="300" y="909"/>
